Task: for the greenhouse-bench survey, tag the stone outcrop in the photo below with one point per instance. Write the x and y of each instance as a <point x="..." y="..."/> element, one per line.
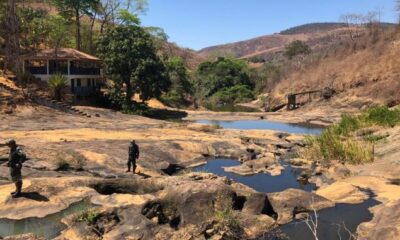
<point x="384" y="225"/>
<point x="290" y="202"/>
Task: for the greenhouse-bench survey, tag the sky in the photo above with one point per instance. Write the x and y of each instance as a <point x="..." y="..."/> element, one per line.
<point x="202" y="23"/>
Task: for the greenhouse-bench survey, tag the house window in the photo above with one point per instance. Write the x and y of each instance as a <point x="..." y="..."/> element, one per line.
<point x="36" y="67"/>
<point x="89" y="82"/>
<point x="58" y="66"/>
<point x="78" y="82"/>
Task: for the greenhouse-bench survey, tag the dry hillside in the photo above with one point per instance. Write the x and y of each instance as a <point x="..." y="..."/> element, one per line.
<point x="266" y="45"/>
<point x="362" y="72"/>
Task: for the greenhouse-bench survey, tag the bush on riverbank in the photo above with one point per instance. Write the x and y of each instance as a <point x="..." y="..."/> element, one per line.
<point x="341" y="141"/>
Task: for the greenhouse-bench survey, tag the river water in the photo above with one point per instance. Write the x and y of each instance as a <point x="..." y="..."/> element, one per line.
<point x="266" y="125"/>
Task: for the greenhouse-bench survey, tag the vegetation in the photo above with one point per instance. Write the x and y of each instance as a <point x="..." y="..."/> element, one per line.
<point x="130" y="58"/>
<point x="62" y="164"/>
<point x="181" y="88"/>
<point x="297" y="48"/>
<point x="219" y="81"/>
<point x="227" y="222"/>
<point x="343" y="142"/>
<point x="57" y="84"/>
<point x="89" y="216"/>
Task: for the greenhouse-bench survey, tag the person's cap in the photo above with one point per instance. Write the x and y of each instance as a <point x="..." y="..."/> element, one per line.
<point x="11" y="142"/>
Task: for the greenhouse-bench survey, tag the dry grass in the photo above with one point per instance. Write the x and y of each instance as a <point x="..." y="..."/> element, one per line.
<point x="361" y="69"/>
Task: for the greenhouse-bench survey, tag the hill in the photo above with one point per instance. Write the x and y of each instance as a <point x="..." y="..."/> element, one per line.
<point x="270" y="47"/>
<point x="265" y="45"/>
<point x="312" y="28"/>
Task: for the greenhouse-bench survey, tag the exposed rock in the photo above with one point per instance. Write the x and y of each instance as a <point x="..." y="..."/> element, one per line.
<point x="384" y="225"/>
<point x="342" y="192"/>
<point x="292" y="201"/>
<point x="255" y="225"/>
<point x="255" y="204"/>
<point x="341" y="171"/>
<point x="299" y="162"/>
<point x="267" y="163"/>
<point x="42" y="197"/>
<point x="320" y="180"/>
<point x="282" y="135"/>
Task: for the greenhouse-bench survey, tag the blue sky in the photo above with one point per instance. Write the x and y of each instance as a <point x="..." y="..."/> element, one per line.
<point x="201" y="23"/>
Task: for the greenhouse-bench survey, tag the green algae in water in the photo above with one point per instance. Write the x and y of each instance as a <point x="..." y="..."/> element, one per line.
<point x="47" y="227"/>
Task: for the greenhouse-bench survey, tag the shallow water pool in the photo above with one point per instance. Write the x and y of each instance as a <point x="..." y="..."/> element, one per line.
<point x="266" y="125"/>
<point x="47" y="227"/>
<point x="260" y="182"/>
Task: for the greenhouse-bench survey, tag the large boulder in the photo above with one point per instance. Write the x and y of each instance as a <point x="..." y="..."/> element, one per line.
<point x="293" y="201"/>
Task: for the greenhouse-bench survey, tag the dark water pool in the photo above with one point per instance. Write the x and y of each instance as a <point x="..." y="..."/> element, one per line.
<point x="261" y="182"/>
<point x="266" y="125"/>
<point x="47" y="227"/>
<point x="334" y="223"/>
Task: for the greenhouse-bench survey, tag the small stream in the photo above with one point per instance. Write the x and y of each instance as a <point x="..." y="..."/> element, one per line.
<point x="47" y="227"/>
<point x="307" y="129"/>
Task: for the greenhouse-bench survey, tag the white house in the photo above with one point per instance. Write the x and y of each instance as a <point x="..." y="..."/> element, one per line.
<point x="82" y="71"/>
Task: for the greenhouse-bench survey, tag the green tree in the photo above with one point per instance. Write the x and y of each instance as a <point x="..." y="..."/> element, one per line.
<point x="181" y="86"/>
<point x="297" y="48"/>
<point x="75" y="9"/>
<point x="130" y="59"/>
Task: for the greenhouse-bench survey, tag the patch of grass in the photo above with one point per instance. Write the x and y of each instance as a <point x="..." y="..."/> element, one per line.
<point x="62" y="164"/>
<point x="226" y="219"/>
<point x="340" y="141"/>
<point x="375" y="138"/>
<point x="89" y="216"/>
<point x="383" y="116"/>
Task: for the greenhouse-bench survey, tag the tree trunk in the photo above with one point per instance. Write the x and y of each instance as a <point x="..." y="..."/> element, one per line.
<point x="91" y="34"/>
<point x="12" y="38"/>
<point x="128" y="97"/>
<point x="78" y="29"/>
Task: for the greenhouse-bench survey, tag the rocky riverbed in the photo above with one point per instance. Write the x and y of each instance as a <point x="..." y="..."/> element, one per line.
<point x="74" y="159"/>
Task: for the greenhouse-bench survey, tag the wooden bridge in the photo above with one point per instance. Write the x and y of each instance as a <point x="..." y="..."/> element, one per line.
<point x="293" y="101"/>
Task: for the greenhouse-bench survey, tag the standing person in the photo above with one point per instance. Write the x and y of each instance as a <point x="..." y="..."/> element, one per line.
<point x="15" y="159"/>
<point x="133" y="156"/>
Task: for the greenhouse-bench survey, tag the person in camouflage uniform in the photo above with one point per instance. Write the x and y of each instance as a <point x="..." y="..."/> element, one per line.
<point x="133" y="156"/>
<point x="15" y="159"/>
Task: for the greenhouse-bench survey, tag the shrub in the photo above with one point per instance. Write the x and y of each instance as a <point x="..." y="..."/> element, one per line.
<point x="57" y="84"/>
<point x="235" y="94"/>
<point x="296" y="48"/>
<point x="225" y="217"/>
<point x="172" y="99"/>
<point x="62" y="164"/>
<point x="383" y="116"/>
<point x="89" y="216"/>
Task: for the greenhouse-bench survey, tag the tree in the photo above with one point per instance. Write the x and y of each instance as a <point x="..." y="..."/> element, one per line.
<point x="130" y="58"/>
<point x="58" y="33"/>
<point x="180" y="84"/>
<point x="297" y="48"/>
<point x="75" y="9"/>
<point x="34" y="28"/>
<point x="353" y="22"/>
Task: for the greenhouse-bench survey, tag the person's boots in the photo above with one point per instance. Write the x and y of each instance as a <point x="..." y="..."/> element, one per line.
<point x="129" y="167"/>
<point x="18" y="186"/>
